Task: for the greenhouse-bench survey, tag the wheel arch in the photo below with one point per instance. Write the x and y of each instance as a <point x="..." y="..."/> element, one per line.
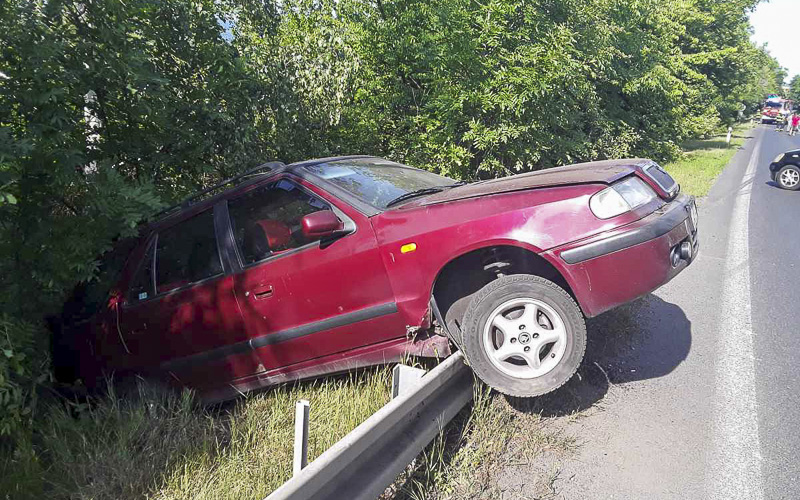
<point x="474" y="267"/>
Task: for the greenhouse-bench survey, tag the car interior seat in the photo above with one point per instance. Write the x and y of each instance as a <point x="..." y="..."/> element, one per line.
<point x="266" y="236"/>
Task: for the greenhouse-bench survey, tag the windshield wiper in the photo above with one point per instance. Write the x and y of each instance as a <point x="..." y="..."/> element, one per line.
<point x="414" y="194"/>
<point x="422" y="192"/>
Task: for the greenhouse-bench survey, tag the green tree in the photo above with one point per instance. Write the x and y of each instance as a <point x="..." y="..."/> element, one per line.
<point x="794" y="88"/>
<point x="107" y="108"/>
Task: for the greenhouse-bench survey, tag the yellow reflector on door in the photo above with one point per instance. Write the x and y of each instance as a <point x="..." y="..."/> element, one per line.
<point x="408" y="247"/>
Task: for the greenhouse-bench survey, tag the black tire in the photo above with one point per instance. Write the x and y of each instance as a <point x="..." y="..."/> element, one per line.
<point x="523" y="286"/>
<point x="780" y="180"/>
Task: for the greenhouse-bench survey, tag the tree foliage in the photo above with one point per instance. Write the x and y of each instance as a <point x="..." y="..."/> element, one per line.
<point x="109" y="109"/>
<point x="794" y="88"/>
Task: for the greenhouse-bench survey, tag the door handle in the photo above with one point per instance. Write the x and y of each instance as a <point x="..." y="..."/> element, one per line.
<point x="262" y="292"/>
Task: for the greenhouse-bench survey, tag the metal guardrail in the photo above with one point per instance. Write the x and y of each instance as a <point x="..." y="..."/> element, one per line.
<point x="367" y="460"/>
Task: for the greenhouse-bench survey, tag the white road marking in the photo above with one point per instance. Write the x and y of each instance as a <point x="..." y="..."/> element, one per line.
<point x="735" y="466"/>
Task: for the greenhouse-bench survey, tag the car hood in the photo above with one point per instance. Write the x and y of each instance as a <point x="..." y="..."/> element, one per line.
<point x="597" y="172"/>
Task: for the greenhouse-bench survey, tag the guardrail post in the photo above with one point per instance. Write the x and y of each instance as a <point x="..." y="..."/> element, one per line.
<point x="300" y="436"/>
<point x="404" y="378"/>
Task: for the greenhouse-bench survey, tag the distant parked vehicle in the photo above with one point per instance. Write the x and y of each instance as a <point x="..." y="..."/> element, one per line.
<point x="785" y="170"/>
<point x="775" y="109"/>
<point x="327" y="265"/>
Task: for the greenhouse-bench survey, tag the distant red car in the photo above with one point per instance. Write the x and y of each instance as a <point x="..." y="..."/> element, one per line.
<point x="327" y="265"/>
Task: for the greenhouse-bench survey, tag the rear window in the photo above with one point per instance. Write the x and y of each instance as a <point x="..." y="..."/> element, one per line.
<point x="142" y="285"/>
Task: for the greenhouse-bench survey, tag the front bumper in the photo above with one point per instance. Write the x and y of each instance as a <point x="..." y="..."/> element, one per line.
<point x="618" y="266"/>
<point x="774" y="167"/>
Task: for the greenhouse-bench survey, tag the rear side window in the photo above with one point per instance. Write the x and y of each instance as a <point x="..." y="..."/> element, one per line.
<point x="186" y="253"/>
<point x="180" y="255"/>
<point x="142" y="284"/>
<point x="266" y="221"/>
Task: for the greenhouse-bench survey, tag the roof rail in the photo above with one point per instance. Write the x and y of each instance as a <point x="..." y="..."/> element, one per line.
<point x="189" y="201"/>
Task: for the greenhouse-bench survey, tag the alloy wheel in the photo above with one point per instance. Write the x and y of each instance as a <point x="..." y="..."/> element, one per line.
<point x="524" y="338"/>
<point x="790" y="178"/>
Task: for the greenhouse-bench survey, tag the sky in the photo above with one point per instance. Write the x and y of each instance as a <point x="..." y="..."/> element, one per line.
<point x="775" y="23"/>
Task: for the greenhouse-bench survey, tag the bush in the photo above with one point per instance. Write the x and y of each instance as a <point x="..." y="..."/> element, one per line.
<point x="23" y="365"/>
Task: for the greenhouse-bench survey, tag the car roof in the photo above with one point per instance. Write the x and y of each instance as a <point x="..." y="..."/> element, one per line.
<point x="192" y="205"/>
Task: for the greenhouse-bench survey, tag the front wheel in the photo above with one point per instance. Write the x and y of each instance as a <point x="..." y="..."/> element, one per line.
<point x="524" y="335"/>
<point x="789" y="177"/>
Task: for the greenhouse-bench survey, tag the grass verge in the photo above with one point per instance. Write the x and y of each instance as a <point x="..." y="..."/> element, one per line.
<point x="164" y="446"/>
<point x="476" y="455"/>
<point x="704" y="159"/>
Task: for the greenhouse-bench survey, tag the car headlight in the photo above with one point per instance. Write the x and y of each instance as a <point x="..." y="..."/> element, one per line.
<point x="621" y="197"/>
<point x="779" y="158"/>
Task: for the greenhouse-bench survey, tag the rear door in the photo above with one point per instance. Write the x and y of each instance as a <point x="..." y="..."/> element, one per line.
<point x="180" y="314"/>
<point x="305" y="299"/>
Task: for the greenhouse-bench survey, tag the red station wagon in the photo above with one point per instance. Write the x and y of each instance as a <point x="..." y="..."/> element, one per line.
<point x="323" y="266"/>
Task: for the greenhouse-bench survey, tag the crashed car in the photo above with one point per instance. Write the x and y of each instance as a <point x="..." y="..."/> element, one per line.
<point x="296" y="271"/>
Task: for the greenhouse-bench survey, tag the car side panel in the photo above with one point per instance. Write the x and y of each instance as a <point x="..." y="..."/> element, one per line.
<point x="185" y="323"/>
<point x="536" y="220"/>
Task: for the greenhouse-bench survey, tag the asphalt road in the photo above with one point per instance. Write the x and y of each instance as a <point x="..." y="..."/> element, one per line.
<point x="775" y="285"/>
<point x="694" y="391"/>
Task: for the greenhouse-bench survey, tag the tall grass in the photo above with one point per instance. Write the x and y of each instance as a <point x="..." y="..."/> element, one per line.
<point x="163" y="445"/>
<point x="704" y="159"/>
<point x="469" y="457"/>
<point x="258" y="455"/>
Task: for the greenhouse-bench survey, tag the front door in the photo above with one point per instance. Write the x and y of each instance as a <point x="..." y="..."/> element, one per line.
<point x="306" y="299"/>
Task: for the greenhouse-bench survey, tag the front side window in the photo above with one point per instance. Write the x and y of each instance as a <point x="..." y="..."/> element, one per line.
<point x="267" y="220"/>
<point x="186" y="253"/>
<point x="377" y="181"/>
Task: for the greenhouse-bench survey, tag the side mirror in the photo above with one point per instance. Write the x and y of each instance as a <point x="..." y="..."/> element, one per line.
<point x="320" y="224"/>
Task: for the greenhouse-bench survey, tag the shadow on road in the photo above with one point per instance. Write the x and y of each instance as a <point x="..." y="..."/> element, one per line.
<point x="646" y="339"/>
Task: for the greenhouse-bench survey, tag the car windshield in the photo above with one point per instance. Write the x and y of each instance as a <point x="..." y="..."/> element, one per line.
<point x="377" y="181"/>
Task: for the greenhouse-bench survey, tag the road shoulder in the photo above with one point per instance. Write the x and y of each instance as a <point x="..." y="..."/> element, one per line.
<point x="639" y="408"/>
